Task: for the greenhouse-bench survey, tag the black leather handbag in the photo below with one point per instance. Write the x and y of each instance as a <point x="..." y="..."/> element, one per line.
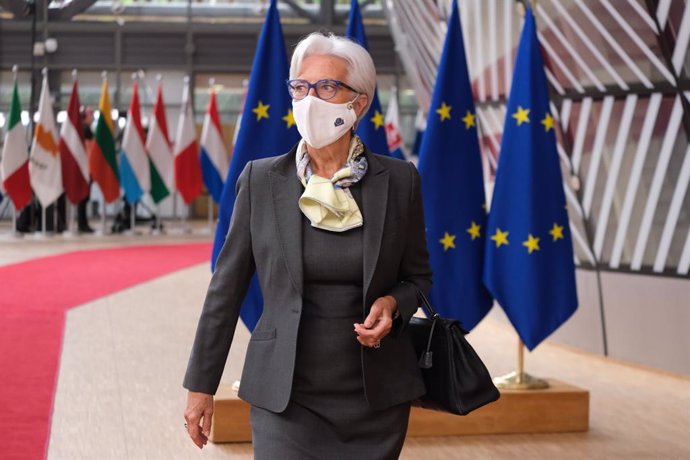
<point x="456" y="379"/>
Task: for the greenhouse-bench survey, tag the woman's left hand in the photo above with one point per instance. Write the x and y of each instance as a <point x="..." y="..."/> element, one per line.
<point x="378" y="323"/>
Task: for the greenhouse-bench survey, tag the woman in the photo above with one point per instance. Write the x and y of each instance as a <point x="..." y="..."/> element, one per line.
<point x="336" y="235"/>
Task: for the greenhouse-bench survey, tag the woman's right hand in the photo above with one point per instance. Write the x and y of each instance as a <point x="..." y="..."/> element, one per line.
<point x="198" y="415"/>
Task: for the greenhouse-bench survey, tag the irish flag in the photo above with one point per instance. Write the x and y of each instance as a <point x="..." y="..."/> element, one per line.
<point x="44" y="168"/>
<point x="214" y="155"/>
<point x="14" y="169"/>
<point x="187" y="168"/>
<point x="75" y="165"/>
<point x="102" y="161"/>
<point x="160" y="152"/>
<point x="135" y="175"/>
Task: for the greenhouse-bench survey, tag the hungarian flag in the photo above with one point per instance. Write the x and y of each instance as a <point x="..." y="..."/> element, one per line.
<point x="102" y="161"/>
<point x="135" y="176"/>
<point x="214" y="155"/>
<point x="187" y="167"/>
<point x="44" y="168"/>
<point x="75" y="165"/>
<point x="160" y="152"/>
<point x="14" y="168"/>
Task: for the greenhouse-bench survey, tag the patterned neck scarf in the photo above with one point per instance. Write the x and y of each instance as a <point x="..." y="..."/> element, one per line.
<point x="328" y="203"/>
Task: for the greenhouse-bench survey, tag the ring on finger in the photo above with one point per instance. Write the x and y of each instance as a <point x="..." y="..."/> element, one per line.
<point x="377" y="344"/>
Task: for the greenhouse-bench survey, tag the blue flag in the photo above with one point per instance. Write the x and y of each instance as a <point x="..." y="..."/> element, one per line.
<point x="372" y="127"/>
<point x="453" y="188"/>
<point x="267" y="128"/>
<point x="529" y="254"/>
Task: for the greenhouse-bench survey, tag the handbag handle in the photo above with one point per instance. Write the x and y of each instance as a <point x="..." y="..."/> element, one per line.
<point x="425" y="302"/>
<point x="426" y="360"/>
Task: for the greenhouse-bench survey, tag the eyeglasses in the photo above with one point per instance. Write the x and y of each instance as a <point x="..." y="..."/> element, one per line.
<point x="325" y="89"/>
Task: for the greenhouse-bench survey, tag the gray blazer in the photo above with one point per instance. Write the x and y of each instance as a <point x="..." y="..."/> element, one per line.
<point x="266" y="235"/>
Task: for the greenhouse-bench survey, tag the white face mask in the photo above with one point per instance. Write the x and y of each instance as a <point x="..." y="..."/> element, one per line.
<point x="320" y="123"/>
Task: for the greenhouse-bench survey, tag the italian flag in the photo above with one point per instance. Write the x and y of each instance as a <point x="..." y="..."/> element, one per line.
<point x="187" y="166"/>
<point x="45" y="167"/>
<point x="75" y="168"/>
<point x="102" y="160"/>
<point x="14" y="169"/>
<point x="160" y="152"/>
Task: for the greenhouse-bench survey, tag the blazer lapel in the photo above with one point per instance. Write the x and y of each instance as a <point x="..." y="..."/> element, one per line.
<point x="286" y="190"/>
<point x="374" y="205"/>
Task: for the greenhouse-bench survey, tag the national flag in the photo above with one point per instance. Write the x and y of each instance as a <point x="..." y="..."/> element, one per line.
<point x="160" y="152"/>
<point x="214" y="154"/>
<point x="187" y="168"/>
<point x="14" y="168"/>
<point x="135" y="176"/>
<point x="102" y="160"/>
<point x="371" y="127"/>
<point x="44" y="167"/>
<point x="393" y="134"/>
<point x="267" y="128"/>
<point x="75" y="164"/>
<point x="529" y="255"/>
<point x="453" y="188"/>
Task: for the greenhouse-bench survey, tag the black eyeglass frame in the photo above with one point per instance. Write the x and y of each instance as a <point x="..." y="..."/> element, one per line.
<point x="309" y="85"/>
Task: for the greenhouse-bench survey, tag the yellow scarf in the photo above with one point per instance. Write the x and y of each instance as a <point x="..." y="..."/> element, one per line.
<point x="328" y="203"/>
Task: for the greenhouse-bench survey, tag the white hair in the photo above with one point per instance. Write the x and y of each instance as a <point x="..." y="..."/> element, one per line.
<point x="361" y="73"/>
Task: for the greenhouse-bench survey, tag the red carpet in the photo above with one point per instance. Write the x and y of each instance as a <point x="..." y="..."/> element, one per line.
<point x="34" y="298"/>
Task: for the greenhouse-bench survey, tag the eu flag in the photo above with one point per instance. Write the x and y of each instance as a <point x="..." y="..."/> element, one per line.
<point x="267" y="128"/>
<point x="453" y="188"/>
<point x="372" y="127"/>
<point x="529" y="265"/>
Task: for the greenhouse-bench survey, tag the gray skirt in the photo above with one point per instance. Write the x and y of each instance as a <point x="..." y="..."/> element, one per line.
<point x="328" y="416"/>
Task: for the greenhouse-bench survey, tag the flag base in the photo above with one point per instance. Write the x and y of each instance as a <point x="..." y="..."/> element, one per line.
<point x="520" y="381"/>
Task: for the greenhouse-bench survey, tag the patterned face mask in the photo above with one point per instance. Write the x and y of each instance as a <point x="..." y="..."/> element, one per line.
<point x="320" y="123"/>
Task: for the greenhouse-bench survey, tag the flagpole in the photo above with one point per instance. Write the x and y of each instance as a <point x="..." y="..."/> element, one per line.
<point x="520" y="380"/>
<point x="132" y="218"/>
<point x="103" y="215"/>
<point x="209" y="229"/>
<point x="15" y="233"/>
<point x="157" y="227"/>
<point x="43" y="222"/>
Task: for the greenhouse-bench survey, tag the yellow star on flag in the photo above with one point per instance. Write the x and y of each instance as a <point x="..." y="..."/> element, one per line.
<point x="469" y="120"/>
<point x="289" y="119"/>
<point x="444" y="111"/>
<point x="448" y="241"/>
<point x="521" y="116"/>
<point x="261" y="111"/>
<point x="377" y="120"/>
<point x="474" y="231"/>
<point x="532" y="244"/>
<point x="500" y="238"/>
<point x="556" y="232"/>
<point x="547" y="122"/>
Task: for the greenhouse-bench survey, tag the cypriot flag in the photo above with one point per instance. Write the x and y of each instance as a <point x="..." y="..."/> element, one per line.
<point x="45" y="168"/>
